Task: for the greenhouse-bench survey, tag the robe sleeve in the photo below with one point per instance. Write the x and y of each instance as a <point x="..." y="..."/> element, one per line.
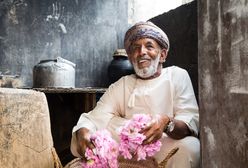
<point x="185" y="105"/>
<point x="107" y="109"/>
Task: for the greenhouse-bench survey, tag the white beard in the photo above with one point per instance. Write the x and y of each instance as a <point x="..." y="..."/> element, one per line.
<point x="147" y="71"/>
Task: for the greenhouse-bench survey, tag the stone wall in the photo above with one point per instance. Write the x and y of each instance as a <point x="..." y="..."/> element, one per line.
<point x="223" y="82"/>
<point x="25" y="132"/>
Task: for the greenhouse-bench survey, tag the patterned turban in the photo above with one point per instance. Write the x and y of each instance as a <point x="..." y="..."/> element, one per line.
<point x="145" y="30"/>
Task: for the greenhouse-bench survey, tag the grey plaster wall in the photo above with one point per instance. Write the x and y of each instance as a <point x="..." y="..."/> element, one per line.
<point x="223" y="82"/>
<point x="86" y="32"/>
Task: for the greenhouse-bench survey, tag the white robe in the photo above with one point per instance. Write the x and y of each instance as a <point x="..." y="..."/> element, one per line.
<point x="171" y="93"/>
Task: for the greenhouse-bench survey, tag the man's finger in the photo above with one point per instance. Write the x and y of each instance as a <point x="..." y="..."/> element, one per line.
<point x="90" y="145"/>
<point x="80" y="150"/>
<point x="147" y="128"/>
<point x="148" y="140"/>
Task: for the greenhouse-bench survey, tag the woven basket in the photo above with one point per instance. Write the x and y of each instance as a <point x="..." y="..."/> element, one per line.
<point x="148" y="163"/>
<point x="133" y="163"/>
<point x="126" y="163"/>
<point x="57" y="163"/>
<point x="75" y="163"/>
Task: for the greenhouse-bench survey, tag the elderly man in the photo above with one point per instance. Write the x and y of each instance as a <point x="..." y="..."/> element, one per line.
<point x="164" y="92"/>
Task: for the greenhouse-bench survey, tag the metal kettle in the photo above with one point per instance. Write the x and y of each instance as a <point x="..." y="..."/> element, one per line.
<point x="54" y="73"/>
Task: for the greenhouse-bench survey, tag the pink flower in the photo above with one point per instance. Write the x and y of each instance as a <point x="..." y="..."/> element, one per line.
<point x="105" y="153"/>
<point x="131" y="140"/>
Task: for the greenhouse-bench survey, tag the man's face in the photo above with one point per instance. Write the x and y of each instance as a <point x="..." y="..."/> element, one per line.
<point x="145" y="56"/>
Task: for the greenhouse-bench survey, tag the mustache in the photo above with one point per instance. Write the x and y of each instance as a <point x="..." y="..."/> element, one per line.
<point x="144" y="57"/>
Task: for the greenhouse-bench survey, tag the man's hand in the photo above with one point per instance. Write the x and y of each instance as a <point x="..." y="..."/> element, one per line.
<point x="154" y="131"/>
<point x="83" y="141"/>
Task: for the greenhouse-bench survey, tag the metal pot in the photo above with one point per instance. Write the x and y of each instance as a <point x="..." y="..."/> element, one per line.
<point x="57" y="73"/>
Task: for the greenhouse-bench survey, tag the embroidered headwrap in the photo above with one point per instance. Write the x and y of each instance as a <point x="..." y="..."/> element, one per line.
<point x="145" y="30"/>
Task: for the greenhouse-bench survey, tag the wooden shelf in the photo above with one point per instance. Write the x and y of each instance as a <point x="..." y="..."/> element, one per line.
<point x="72" y="90"/>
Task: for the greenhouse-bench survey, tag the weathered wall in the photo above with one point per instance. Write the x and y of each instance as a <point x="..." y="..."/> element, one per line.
<point x="25" y="132"/>
<point x="180" y="25"/>
<point x="223" y="82"/>
<point x="86" y="32"/>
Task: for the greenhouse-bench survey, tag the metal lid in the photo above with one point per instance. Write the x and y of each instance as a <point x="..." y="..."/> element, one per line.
<point x="58" y="59"/>
<point x="120" y="52"/>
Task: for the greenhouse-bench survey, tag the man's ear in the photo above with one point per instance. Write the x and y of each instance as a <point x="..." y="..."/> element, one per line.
<point x="163" y="56"/>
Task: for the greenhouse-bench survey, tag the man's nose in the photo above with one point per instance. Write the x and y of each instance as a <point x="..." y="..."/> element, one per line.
<point x="143" y="50"/>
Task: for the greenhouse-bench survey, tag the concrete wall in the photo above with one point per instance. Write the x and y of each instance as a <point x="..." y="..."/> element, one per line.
<point x="85" y="32"/>
<point x="25" y="135"/>
<point x="223" y="82"/>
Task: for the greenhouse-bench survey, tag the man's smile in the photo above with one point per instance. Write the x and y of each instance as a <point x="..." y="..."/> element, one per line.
<point x="144" y="62"/>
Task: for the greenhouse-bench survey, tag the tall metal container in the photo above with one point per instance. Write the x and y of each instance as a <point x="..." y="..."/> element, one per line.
<point x="57" y="73"/>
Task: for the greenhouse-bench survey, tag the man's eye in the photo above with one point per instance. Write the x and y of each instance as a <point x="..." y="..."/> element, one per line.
<point x="149" y="47"/>
<point x="135" y="48"/>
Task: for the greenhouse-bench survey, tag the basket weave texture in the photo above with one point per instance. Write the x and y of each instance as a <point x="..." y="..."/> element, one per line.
<point x="131" y="163"/>
<point x="148" y="163"/>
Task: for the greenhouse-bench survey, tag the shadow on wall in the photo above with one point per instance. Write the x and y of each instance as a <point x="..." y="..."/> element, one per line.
<point x="180" y="25"/>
